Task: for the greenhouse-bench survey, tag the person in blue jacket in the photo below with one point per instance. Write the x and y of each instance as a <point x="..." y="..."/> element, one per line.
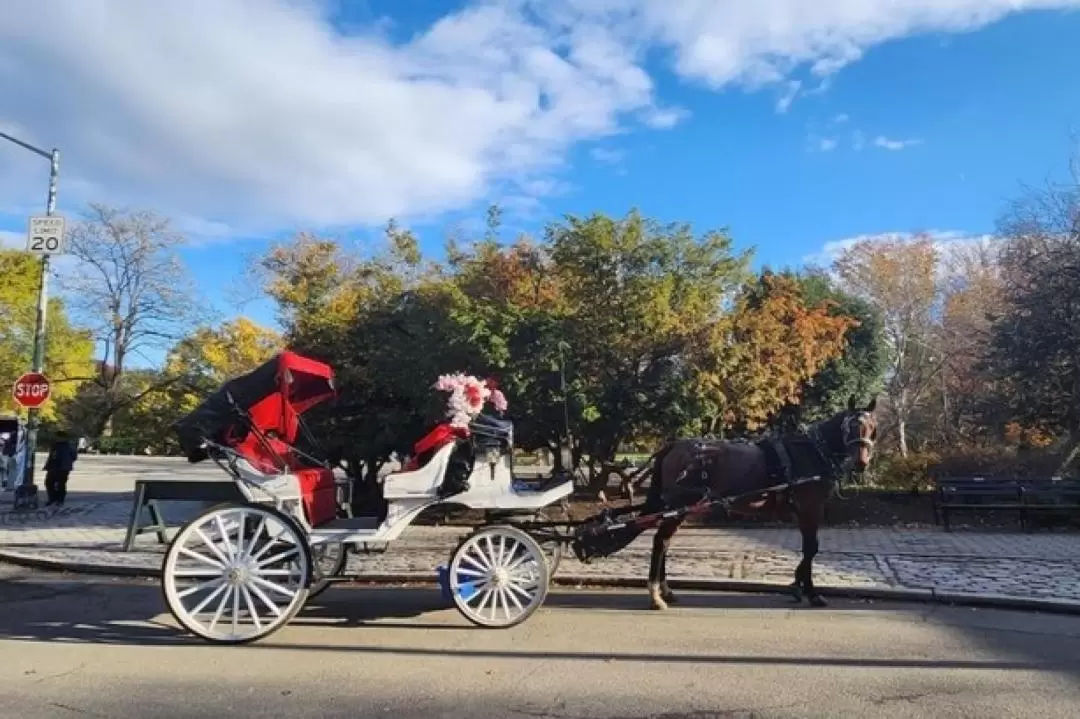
<point x="58" y="467"/>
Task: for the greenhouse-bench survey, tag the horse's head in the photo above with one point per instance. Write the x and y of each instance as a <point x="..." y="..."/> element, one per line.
<point x="858" y="433"/>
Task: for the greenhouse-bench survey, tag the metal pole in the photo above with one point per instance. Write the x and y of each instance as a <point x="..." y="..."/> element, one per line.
<point x="34" y="413"/>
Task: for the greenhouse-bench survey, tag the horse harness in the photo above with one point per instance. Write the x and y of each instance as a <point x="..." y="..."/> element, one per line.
<point x="780" y="464"/>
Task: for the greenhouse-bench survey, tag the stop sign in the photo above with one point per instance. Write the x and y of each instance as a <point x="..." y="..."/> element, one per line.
<point x="31" y="390"/>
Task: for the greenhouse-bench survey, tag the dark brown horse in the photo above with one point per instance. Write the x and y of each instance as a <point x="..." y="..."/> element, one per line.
<point x="684" y="470"/>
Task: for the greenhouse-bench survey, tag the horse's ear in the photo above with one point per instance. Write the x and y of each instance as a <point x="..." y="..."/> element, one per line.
<point x="872" y="406"/>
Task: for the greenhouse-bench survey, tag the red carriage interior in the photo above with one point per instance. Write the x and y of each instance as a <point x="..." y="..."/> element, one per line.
<point x="302" y="383"/>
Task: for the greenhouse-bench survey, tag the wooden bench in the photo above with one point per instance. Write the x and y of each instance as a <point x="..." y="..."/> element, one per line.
<point x="148" y="492"/>
<point x="1022" y="496"/>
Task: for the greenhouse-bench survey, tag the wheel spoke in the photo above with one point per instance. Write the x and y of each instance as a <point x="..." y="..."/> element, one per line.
<point x="520" y="590"/>
<point x="240" y="523"/>
<point x="471" y="572"/>
<point x="291" y="551"/>
<point x="259" y="528"/>
<point x="213" y="595"/>
<point x="513" y="597"/>
<point x="230" y="551"/>
<point x="235" y="609"/>
<point x="202" y="558"/>
<point x="251" y="607"/>
<point x="213" y="547"/>
<point x="220" y="609"/>
<point x="273" y="587"/>
<point x="265" y="599"/>
<point x="199" y="572"/>
<point x="201" y="585"/>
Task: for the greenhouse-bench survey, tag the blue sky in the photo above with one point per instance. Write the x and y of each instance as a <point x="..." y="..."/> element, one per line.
<point x="911" y="115"/>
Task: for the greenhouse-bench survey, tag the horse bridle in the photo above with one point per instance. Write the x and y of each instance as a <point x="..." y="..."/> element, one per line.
<point x="825" y="449"/>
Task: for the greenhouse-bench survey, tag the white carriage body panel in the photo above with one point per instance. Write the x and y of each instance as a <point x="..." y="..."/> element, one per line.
<point x="492" y="486"/>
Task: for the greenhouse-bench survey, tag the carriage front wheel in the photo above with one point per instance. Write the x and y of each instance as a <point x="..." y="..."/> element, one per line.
<point x="237" y="573"/>
<point x="498" y="576"/>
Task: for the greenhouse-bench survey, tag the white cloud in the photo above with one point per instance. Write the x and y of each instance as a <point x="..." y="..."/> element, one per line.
<point x="791" y="91"/>
<point x="841" y="118"/>
<point x="605" y="156"/>
<point x="816" y="143"/>
<point x="260" y="114"/>
<point x="893" y="145"/>
<point x="944" y="240"/>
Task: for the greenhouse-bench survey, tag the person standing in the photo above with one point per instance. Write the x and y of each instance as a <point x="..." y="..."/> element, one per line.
<point x="58" y="467"/>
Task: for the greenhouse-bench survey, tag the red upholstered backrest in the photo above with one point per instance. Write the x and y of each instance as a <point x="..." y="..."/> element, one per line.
<point x="318" y="494"/>
<point x="432" y="442"/>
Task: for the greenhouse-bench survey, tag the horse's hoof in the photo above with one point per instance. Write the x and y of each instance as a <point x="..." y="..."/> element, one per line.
<point x="670" y="598"/>
<point x="817" y="600"/>
<point x="657" y="603"/>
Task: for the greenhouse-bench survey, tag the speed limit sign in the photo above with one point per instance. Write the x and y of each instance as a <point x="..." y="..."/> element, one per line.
<point x="45" y="235"/>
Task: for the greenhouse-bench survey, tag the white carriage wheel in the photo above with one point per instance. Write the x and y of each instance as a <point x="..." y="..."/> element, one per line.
<point x="237" y="573"/>
<point x="330" y="559"/>
<point x="498" y="576"/>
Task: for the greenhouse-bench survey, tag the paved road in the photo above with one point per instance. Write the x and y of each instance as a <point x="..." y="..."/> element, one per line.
<point x="71" y="648"/>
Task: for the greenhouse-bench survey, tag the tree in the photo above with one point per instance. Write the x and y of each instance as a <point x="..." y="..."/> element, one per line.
<point x="196" y="366"/>
<point x="859" y="370"/>
<point x="639" y="297"/>
<point x="972" y="296"/>
<point x="68" y="350"/>
<point x="212" y="355"/>
<point x="1036" y="337"/>
<point x="898" y="277"/>
<point x="769" y="347"/>
<point x="133" y="291"/>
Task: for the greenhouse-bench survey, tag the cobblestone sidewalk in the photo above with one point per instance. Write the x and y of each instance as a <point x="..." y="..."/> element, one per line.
<point x="1040" y="566"/>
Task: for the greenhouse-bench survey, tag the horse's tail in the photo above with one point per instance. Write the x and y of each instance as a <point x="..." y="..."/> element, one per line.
<point x="654" y="497"/>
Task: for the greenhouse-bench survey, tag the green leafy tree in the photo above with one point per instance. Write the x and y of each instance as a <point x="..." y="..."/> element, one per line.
<point x="68" y="349"/>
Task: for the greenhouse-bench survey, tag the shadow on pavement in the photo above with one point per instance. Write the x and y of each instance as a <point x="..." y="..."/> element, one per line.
<point x="118" y="612"/>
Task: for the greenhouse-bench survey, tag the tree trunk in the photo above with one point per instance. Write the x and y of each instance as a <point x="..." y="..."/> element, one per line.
<point x="901" y="434"/>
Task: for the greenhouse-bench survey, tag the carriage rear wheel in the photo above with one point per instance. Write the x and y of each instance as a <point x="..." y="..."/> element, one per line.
<point x="498" y="576"/>
<point x="237" y="573"/>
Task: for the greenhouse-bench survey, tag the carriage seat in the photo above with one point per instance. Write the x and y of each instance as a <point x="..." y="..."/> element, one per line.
<point x="422" y="481"/>
<point x="318" y="486"/>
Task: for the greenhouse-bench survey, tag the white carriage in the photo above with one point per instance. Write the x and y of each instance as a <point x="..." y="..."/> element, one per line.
<point x="240" y="571"/>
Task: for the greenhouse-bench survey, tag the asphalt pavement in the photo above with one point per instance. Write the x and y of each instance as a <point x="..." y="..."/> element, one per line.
<point x="74" y="646"/>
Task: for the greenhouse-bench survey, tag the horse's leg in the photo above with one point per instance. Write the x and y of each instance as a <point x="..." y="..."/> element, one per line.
<point x="659" y="592"/>
<point x="809" y="517"/>
<point x="665" y="591"/>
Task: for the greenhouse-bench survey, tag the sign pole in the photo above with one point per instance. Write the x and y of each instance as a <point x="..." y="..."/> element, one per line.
<point x="34" y="413"/>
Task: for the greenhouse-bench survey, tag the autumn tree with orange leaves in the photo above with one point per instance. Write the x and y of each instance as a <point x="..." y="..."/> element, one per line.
<point x="765" y="351"/>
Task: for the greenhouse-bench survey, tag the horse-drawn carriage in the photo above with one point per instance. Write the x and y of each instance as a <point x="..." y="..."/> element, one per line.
<point x="240" y="571"/>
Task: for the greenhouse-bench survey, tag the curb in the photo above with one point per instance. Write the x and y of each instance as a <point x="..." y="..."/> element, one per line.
<point x="896" y="594"/>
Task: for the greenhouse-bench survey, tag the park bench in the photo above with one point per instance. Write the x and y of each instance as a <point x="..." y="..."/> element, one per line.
<point x="1024" y="497"/>
<point x="148" y="492"/>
